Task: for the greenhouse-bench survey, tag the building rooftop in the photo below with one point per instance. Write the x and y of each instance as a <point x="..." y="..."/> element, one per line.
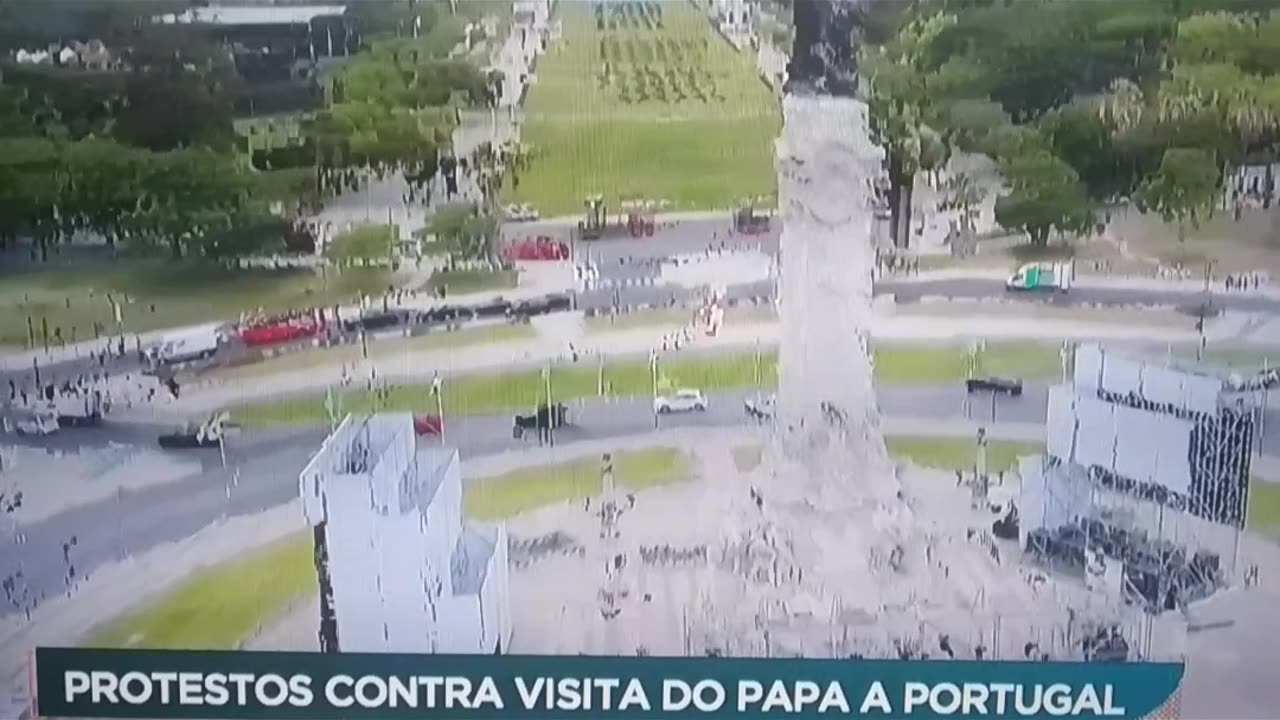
<point x="253" y="14"/>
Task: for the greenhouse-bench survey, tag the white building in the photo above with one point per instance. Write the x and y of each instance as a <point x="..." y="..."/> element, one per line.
<point x="400" y="570"/>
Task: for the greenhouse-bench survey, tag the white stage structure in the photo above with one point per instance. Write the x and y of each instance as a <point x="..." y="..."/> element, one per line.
<point x="1144" y="486"/>
<point x="399" y="569"/>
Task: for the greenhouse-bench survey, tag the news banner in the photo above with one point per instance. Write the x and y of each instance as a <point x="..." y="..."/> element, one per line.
<point x="74" y="683"/>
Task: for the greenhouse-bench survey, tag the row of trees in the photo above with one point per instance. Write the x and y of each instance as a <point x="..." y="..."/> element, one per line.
<point x="1080" y="101"/>
<point x="144" y="154"/>
<point x="190" y="202"/>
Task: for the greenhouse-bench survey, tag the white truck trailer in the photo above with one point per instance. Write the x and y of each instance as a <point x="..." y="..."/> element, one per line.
<point x="1042" y="277"/>
<point x="200" y="343"/>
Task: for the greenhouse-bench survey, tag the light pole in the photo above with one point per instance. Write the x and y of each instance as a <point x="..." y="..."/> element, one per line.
<point x="551" y="409"/>
<point x="653" y="374"/>
<point x="437" y="389"/>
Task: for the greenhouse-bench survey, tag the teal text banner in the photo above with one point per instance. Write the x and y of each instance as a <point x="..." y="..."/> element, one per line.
<point x="306" y="686"/>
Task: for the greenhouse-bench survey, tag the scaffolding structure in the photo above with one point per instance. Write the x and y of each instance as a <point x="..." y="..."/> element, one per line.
<point x="1143" y="490"/>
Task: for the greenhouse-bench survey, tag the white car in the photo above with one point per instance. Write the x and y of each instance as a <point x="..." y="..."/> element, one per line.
<point x="40" y="423"/>
<point x="522" y="213"/>
<point x="681" y="401"/>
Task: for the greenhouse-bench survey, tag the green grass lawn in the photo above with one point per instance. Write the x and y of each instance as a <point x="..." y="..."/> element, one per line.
<point x="673" y="113"/>
<point x="512" y="391"/>
<point x="159" y="294"/>
<point x="364" y="242"/>
<point x="468" y="281"/>
<point x="216" y="608"/>
<point x="379" y="349"/>
<point x="947" y="453"/>
<point x="526" y="489"/>
<point x="1264" y="508"/>
<point x="910" y="364"/>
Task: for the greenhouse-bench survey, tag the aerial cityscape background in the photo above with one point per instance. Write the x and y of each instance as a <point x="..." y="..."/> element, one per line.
<point x="631" y="327"/>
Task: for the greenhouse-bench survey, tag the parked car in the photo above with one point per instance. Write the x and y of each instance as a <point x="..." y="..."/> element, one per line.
<point x="997" y="385"/>
<point x="37" y="422"/>
<point x="521" y="213"/>
<point x="541" y="306"/>
<point x="497" y="308"/>
<point x="687" y="400"/>
<point x="441" y="315"/>
<point x="373" y="322"/>
<point x="196" y="435"/>
<point x="540" y="420"/>
<point x="427" y="425"/>
<point x="760" y="408"/>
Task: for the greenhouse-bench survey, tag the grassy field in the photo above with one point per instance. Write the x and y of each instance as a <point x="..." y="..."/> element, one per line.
<point x="507" y="392"/>
<point x="510" y="391"/>
<point x="633" y="109"/>
<point x="364" y="242"/>
<point x="159" y="294"/>
<point x="526" y="489"/>
<point x="217" y="607"/>
<point x="946" y="453"/>
<point x="378" y="349"/>
<point x="1264" y="508"/>
<point x="910" y="364"/>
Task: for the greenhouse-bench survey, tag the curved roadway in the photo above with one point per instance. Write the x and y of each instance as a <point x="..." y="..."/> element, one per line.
<point x="269" y="463"/>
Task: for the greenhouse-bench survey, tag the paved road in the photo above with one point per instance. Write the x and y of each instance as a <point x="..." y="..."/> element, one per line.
<point x="269" y="463"/>
<point x="977" y="288"/>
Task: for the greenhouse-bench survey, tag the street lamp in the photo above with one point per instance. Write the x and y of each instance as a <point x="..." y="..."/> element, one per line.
<point x="551" y="410"/>
<point x="437" y="389"/>
<point x="653" y="374"/>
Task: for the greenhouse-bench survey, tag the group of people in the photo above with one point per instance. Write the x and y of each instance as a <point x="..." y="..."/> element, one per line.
<point x="672" y="555"/>
<point x="98" y="392"/>
<point x="1245" y="281"/>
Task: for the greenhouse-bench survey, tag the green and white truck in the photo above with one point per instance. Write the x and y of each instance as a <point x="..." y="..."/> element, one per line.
<point x="1042" y="277"/>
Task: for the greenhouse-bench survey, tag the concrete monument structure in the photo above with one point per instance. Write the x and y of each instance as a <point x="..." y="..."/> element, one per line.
<point x="399" y="568"/>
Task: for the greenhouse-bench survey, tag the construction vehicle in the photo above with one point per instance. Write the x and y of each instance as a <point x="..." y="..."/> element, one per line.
<point x="1042" y="277"/>
<point x="640" y="218"/>
<point x="749" y="221"/>
<point x="593" y="226"/>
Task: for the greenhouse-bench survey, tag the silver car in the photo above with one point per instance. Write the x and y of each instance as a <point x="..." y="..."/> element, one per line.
<point x="682" y="401"/>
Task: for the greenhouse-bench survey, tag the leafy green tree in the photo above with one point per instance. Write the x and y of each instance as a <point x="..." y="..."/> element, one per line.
<point x="1184" y="189"/>
<point x="1045" y="195"/>
<point x="32" y="179"/>
<point x="900" y="110"/>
